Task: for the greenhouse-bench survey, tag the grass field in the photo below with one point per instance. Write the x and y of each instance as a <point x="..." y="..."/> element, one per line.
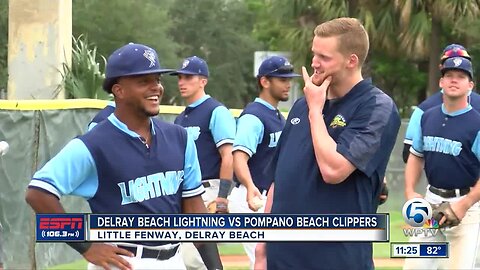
<point x="380" y="250"/>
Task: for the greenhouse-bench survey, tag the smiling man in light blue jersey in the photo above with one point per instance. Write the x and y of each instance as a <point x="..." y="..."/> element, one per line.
<point x="446" y="144"/>
<point x="130" y="163"/>
<point x="258" y="129"/>
<point x="212" y="126"/>
<point x="452" y="50"/>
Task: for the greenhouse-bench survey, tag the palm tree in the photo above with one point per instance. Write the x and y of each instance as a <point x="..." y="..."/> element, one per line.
<point x="421" y="25"/>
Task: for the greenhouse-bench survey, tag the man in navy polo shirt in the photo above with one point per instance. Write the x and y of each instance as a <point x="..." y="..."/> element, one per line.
<point x="258" y="129"/>
<point x="334" y="149"/>
<point x="452" y="50"/>
<point x="212" y="126"/>
<point x="131" y="163"/>
<point x="447" y="145"/>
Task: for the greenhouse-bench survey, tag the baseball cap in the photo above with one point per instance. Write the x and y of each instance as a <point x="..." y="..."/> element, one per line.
<point x="131" y="59"/>
<point x="193" y="65"/>
<point x="458" y="63"/>
<point x="454" y="50"/>
<point x="276" y="66"/>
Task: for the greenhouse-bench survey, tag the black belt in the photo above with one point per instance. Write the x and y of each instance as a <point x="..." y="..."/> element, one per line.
<point x="161" y="255"/>
<point x="449" y="193"/>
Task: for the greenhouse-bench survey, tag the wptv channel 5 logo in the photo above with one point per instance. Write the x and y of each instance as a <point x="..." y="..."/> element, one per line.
<point x="60" y="227"/>
<point x="417" y="213"/>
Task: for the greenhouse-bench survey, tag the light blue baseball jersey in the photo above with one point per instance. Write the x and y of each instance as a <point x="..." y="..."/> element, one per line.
<point x="258" y="131"/>
<point x="102" y="115"/>
<point x="117" y="173"/>
<point x="211" y="125"/>
<point x="450" y="146"/>
<point x="432" y="101"/>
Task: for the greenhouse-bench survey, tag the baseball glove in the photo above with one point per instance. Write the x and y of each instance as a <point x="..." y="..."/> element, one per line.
<point x="383" y="192"/>
<point x="445" y="210"/>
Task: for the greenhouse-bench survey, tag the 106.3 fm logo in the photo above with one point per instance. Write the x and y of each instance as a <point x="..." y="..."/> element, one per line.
<point x="417" y="213"/>
<point x="60" y="227"/>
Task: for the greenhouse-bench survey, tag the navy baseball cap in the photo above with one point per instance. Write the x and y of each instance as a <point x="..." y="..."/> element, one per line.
<point x="454" y="50"/>
<point x="458" y="63"/>
<point x="131" y="59"/>
<point x="193" y="65"/>
<point x="276" y="66"/>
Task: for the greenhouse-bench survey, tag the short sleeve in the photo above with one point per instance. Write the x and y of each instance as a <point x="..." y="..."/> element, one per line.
<point x="71" y="172"/>
<point x="413" y="125"/>
<point x="222" y="126"/>
<point x="476" y="146"/>
<point x="192" y="180"/>
<point x="370" y="135"/>
<point x="249" y="134"/>
<point x="417" y="138"/>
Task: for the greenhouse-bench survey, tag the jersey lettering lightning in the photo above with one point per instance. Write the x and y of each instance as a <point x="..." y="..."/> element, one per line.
<point x="193" y="131"/>
<point x="441" y="145"/>
<point x="150" y="186"/>
<point x="274" y="136"/>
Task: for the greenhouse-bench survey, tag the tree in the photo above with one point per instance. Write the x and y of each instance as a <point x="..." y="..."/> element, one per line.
<point x="110" y="24"/>
<point x="421" y="27"/>
<point x="83" y="79"/>
<point x="219" y="32"/>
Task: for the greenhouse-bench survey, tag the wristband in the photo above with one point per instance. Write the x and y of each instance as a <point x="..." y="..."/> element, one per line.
<point x="224" y="188"/>
<point x="80" y="247"/>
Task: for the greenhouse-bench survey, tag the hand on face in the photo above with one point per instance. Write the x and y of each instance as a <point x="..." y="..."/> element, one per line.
<point x="315" y="90"/>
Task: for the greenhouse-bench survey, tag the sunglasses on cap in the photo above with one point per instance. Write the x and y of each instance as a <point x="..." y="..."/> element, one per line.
<point x="453" y="53"/>
<point x="285" y="69"/>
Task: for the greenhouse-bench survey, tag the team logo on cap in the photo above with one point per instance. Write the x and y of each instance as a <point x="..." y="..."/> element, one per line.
<point x="457" y="61"/>
<point x="150" y="55"/>
<point x="185" y="63"/>
<point x="286" y="63"/>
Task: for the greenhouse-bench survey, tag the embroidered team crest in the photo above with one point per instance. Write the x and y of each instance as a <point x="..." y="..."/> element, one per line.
<point x="457" y="61"/>
<point x="185" y="63"/>
<point x="338" y="121"/>
<point x="150" y="55"/>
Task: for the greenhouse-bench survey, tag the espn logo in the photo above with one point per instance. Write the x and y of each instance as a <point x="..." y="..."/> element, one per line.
<point x="60" y="223"/>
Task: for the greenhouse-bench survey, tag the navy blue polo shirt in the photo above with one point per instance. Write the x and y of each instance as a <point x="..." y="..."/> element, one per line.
<point x="450" y="146"/>
<point x="117" y="173"/>
<point x="211" y="125"/>
<point x="433" y="101"/>
<point x="364" y="124"/>
<point x="258" y="130"/>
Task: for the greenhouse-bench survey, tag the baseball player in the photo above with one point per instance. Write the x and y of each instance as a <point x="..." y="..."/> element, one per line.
<point x="452" y="50"/>
<point x="447" y="144"/>
<point x="108" y="163"/>
<point x="334" y="149"/>
<point x="258" y="129"/>
<point x="102" y="115"/>
<point x="212" y="126"/>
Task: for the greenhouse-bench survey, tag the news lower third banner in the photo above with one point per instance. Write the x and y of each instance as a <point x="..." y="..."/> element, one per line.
<point x="211" y="227"/>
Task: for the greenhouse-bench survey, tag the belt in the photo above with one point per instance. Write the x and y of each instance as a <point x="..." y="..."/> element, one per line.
<point x="159" y="254"/>
<point x="449" y="193"/>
